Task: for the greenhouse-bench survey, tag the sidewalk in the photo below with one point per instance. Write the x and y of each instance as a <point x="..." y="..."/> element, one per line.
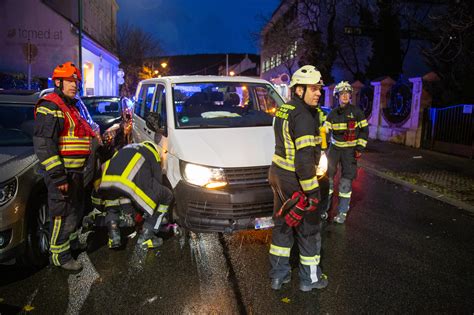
<point x="441" y="176"/>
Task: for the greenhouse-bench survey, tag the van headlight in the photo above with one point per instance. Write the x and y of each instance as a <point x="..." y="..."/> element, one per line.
<point x="323" y="165"/>
<point x="7" y="191"/>
<point x="203" y="176"/>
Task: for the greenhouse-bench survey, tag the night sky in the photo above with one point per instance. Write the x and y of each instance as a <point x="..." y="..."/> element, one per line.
<point x="199" y="26"/>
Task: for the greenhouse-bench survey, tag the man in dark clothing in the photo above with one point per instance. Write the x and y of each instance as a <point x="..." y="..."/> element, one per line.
<point x="134" y="174"/>
<point x="293" y="176"/>
<point x="62" y="141"/>
<point x="349" y="131"/>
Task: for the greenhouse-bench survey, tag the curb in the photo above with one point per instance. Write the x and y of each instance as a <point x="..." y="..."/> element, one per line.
<point x="421" y="189"/>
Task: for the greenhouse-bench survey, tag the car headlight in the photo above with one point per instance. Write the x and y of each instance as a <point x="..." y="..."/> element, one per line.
<point x="322" y="168"/>
<point x="7" y="191"/>
<point x="203" y="176"/>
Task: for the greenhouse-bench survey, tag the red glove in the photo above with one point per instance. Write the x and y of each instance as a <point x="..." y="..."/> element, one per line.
<point x="357" y="154"/>
<point x="312" y="205"/>
<point x="295" y="215"/>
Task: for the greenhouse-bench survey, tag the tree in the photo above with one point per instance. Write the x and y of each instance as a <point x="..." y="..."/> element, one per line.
<point x="133" y="46"/>
<point x="452" y="54"/>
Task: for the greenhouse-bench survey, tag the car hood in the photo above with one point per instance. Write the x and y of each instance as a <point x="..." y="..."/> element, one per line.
<point x="14" y="160"/>
<point x="226" y="147"/>
<point x="106" y="122"/>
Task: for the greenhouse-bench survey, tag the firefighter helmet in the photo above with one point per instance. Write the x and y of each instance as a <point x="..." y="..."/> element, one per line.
<point x="306" y="75"/>
<point x="67" y="71"/>
<point x="342" y="86"/>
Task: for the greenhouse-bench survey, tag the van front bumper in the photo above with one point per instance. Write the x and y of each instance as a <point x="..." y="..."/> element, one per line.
<point x="235" y="208"/>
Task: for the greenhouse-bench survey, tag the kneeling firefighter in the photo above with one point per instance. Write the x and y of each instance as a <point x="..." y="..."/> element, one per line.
<point x="134" y="173"/>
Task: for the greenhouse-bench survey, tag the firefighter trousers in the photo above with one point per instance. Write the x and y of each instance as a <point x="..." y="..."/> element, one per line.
<point x="307" y="234"/>
<point x="345" y="158"/>
<point x="65" y="213"/>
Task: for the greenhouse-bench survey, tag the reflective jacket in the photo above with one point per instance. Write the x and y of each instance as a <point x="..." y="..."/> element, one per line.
<point x="135" y="172"/>
<point x="62" y="138"/>
<point x="348" y="127"/>
<point x="297" y="143"/>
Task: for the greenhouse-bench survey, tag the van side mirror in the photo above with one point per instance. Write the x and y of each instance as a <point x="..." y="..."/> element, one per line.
<point x="155" y="122"/>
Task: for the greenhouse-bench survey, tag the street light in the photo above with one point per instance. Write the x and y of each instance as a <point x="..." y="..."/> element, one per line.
<point x="164" y="65"/>
<point x="155" y="72"/>
<point x="231" y="73"/>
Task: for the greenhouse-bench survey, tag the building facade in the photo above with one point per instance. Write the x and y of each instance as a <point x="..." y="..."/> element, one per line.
<point x="35" y="36"/>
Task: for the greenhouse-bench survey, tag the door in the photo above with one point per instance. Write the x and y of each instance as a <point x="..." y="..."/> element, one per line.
<point x="143" y="105"/>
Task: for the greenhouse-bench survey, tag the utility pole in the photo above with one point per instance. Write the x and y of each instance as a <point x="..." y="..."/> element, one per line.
<point x="226" y="64"/>
<point x="80" y="42"/>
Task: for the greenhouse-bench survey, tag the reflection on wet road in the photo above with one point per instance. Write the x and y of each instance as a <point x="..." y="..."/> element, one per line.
<point x="399" y="252"/>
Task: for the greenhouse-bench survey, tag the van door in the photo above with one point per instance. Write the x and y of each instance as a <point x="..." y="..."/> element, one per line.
<point x="162" y="137"/>
<point x="143" y="105"/>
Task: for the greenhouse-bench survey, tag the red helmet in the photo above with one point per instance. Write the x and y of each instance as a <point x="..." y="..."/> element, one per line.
<point x="67" y="71"/>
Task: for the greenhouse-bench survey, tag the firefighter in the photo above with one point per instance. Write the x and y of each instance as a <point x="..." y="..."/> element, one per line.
<point x="292" y="176"/>
<point x="349" y="131"/>
<point x="62" y="141"/>
<point x="134" y="174"/>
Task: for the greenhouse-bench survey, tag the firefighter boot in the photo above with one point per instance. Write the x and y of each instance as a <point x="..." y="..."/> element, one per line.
<point x="277" y="282"/>
<point x="321" y="284"/>
<point x="72" y="265"/>
<point x="114" y="235"/>
<point x="148" y="239"/>
<point x="340" y="218"/>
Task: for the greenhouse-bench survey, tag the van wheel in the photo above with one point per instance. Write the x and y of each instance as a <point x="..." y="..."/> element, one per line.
<point x="38" y="235"/>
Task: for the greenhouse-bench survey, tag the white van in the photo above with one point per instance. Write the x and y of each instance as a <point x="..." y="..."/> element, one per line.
<point x="217" y="144"/>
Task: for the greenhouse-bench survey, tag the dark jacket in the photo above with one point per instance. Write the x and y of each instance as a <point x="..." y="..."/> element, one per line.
<point x="135" y="172"/>
<point x="339" y="122"/>
<point x="298" y="143"/>
<point x="49" y="123"/>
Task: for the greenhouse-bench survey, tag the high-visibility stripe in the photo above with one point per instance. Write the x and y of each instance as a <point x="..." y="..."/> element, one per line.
<point x="318" y="139"/>
<point x="327" y="124"/>
<point x="111" y="203"/>
<point x="136" y="157"/>
<point x="363" y="123"/>
<point x="78" y="140"/>
<point x="345" y="195"/>
<point x="46" y="111"/>
<point x="288" y="142"/>
<point x="74" y="162"/>
<point x="344" y="144"/>
<point x="280" y="251"/>
<point x="310" y="260"/>
<point x="74" y="235"/>
<point x="97" y="201"/>
<point x="309" y="184"/>
<point x="52" y="162"/>
<point x="163" y="208"/>
<point x="57" y="249"/>
<point x="133" y="190"/>
<point x="156" y="154"/>
<point x="305" y="141"/>
<point x="362" y="142"/>
<point x="54" y="238"/>
<point x="340" y="126"/>
<point x="284" y="164"/>
<point x="135" y="168"/>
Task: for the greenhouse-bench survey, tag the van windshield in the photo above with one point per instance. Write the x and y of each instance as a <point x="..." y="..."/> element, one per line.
<point x="224" y="104"/>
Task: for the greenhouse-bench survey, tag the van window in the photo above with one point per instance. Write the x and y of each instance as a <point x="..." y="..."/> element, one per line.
<point x="160" y="101"/>
<point x="224" y="104"/>
<point x="145" y="100"/>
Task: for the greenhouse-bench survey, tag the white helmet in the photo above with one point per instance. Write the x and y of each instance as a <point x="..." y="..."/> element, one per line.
<point x="342" y="86"/>
<point x="306" y="75"/>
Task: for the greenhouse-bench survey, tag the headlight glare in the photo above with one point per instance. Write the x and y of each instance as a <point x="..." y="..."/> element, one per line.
<point x="203" y="176"/>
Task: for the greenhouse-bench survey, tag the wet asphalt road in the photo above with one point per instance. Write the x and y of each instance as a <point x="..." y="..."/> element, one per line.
<point x="399" y="252"/>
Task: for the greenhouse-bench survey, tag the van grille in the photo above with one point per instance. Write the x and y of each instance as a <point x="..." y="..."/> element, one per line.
<point x="247" y="176"/>
<point x="229" y="211"/>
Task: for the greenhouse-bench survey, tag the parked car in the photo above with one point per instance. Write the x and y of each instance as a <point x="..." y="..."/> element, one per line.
<point x="114" y="117"/>
<point x="217" y="144"/>
<point x="24" y="224"/>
